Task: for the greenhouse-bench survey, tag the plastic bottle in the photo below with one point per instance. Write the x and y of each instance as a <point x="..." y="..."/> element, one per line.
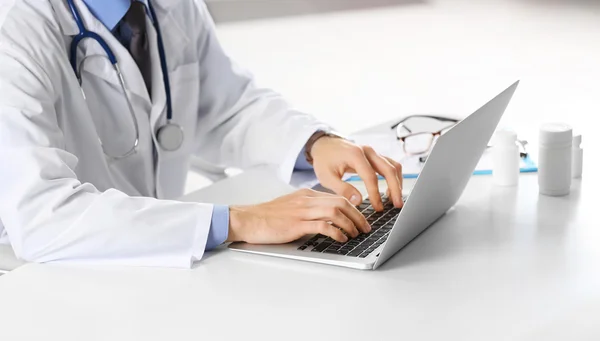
<point x="577" y="157"/>
<point x="554" y="168"/>
<point x="505" y="158"/>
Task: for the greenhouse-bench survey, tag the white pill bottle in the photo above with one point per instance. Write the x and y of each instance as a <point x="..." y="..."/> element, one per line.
<point x="505" y="158"/>
<point x="555" y="154"/>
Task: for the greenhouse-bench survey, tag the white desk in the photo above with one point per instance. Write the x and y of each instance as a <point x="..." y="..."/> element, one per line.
<point x="505" y="264"/>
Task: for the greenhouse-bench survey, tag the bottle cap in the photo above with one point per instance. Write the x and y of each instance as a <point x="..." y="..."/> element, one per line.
<point x="556" y="134"/>
<point x="505" y="137"/>
<point x="577" y="141"/>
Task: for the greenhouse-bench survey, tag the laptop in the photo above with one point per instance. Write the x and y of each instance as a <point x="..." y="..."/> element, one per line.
<point x="441" y="182"/>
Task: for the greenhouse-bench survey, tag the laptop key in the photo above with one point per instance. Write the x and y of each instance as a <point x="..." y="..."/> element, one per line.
<point x="372" y="239"/>
<point x="360" y="237"/>
<point x="379" y="233"/>
<point x="356" y="252"/>
<point x="363" y="246"/>
<point x="363" y="206"/>
<point x="321" y="247"/>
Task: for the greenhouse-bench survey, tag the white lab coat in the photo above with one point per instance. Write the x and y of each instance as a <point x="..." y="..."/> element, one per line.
<point x="61" y="199"/>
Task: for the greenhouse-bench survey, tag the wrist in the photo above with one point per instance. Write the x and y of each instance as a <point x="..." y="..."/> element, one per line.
<point x="317" y="137"/>
<point x="235" y="225"/>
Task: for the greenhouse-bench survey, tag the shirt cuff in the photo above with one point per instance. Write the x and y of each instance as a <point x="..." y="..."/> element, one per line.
<point x="219" y="227"/>
<point x="301" y="163"/>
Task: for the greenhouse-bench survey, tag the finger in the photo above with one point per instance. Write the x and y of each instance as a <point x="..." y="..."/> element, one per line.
<point x="329" y="212"/>
<point x="389" y="172"/>
<point x="312" y="227"/>
<point x="398" y="167"/>
<point x="329" y="179"/>
<point x="357" y="218"/>
<point x="369" y="177"/>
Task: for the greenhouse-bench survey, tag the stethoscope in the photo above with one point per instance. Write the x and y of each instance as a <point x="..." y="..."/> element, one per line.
<point x="170" y="135"/>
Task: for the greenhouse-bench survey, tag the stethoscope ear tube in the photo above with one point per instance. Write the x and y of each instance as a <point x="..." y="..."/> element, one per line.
<point x="163" y="62"/>
<point x="170" y="136"/>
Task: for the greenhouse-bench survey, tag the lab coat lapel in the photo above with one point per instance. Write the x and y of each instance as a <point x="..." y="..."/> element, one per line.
<point x="101" y="67"/>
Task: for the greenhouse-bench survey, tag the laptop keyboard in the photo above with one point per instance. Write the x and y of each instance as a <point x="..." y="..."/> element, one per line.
<point x="363" y="245"/>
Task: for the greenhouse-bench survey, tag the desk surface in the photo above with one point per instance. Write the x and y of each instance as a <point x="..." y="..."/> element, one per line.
<point x="504" y="264"/>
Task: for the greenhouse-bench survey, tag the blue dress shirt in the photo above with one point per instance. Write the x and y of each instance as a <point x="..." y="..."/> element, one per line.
<point x="110" y="13"/>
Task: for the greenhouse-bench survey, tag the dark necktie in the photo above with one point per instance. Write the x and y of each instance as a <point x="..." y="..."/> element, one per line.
<point x="139" y="48"/>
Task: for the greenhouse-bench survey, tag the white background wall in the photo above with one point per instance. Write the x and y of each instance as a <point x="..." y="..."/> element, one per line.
<point x="357" y="68"/>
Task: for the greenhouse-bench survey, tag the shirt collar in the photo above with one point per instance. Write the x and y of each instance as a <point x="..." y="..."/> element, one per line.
<point x="110" y="12"/>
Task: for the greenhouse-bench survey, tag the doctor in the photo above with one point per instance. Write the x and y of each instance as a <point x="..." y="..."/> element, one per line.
<point x="102" y="103"/>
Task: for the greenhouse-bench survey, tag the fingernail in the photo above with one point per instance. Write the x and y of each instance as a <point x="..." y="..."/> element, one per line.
<point x="368" y="228"/>
<point x="345" y="238"/>
<point x="355" y="200"/>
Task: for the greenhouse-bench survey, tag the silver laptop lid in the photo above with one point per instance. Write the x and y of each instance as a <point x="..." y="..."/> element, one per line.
<point x="446" y="173"/>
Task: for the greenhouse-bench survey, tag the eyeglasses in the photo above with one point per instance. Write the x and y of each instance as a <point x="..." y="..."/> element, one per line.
<point x="419" y="132"/>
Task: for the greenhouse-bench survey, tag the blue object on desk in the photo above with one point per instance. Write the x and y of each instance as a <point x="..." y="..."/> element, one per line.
<point x="528" y="167"/>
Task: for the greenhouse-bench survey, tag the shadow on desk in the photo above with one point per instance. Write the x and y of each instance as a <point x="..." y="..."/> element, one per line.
<point x="244" y="10"/>
<point x="430" y="245"/>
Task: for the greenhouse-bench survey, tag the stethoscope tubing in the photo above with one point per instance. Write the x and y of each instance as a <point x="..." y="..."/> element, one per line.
<point x="84" y="33"/>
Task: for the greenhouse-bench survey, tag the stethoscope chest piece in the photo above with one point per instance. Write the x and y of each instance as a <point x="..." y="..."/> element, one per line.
<point x="170" y="137"/>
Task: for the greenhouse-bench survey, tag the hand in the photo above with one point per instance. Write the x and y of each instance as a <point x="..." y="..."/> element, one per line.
<point x="332" y="157"/>
<point x="290" y="217"/>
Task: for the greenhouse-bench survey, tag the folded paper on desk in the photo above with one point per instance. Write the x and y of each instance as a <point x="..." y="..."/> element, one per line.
<point x="388" y="145"/>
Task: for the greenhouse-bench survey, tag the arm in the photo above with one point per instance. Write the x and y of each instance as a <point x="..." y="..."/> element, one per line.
<point x="244" y="125"/>
<point x="50" y="215"/>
